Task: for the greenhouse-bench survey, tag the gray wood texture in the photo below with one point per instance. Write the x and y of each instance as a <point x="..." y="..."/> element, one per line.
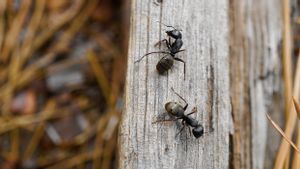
<point x="255" y="81"/>
<point x="233" y="77"/>
<point x="205" y="32"/>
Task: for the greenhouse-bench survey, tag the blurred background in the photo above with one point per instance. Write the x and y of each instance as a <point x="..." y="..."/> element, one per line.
<point x="62" y="71"/>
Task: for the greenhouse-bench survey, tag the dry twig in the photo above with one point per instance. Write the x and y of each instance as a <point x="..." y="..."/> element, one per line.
<point x="282" y="133"/>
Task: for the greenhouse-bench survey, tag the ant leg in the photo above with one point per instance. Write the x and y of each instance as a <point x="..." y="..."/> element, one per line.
<point x="166" y="41"/>
<point x="180" y="60"/>
<point x="161" y="41"/>
<point x="156" y="3"/>
<point x="158" y="121"/>
<point x="193" y="111"/>
<point x="180" y="51"/>
<point x="190" y="131"/>
<point x="185" y="107"/>
<point x="180" y="130"/>
<point x="151" y="53"/>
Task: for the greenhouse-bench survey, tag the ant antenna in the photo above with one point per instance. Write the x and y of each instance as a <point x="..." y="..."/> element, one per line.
<point x="178" y="95"/>
<point x="169" y="26"/>
<point x="150" y="54"/>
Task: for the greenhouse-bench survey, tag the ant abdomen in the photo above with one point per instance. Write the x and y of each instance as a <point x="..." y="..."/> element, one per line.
<point x="174" y="109"/>
<point x="164" y="64"/>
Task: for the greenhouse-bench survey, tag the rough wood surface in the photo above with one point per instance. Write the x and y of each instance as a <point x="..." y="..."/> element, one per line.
<point x="244" y="33"/>
<point x="205" y="30"/>
<point x="255" y="80"/>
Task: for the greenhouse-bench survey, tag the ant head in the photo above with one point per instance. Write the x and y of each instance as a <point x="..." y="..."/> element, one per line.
<point x="198" y="131"/>
<point x="176" y="34"/>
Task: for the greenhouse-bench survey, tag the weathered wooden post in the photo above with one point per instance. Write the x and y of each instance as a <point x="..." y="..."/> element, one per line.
<point x="205" y="32"/>
<point x="255" y="81"/>
<point x="228" y="65"/>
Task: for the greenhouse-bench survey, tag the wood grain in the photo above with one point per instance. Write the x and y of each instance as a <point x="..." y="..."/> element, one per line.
<point x="232" y="56"/>
<point x="255" y="81"/>
<point x="205" y="32"/>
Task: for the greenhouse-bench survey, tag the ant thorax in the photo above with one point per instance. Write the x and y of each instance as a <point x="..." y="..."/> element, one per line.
<point x="174" y="34"/>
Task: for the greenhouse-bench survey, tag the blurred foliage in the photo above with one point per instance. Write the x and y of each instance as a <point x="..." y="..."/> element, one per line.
<point x="62" y="65"/>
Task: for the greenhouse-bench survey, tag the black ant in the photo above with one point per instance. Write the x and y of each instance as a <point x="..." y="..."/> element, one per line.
<point x="176" y="110"/>
<point x="166" y="62"/>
